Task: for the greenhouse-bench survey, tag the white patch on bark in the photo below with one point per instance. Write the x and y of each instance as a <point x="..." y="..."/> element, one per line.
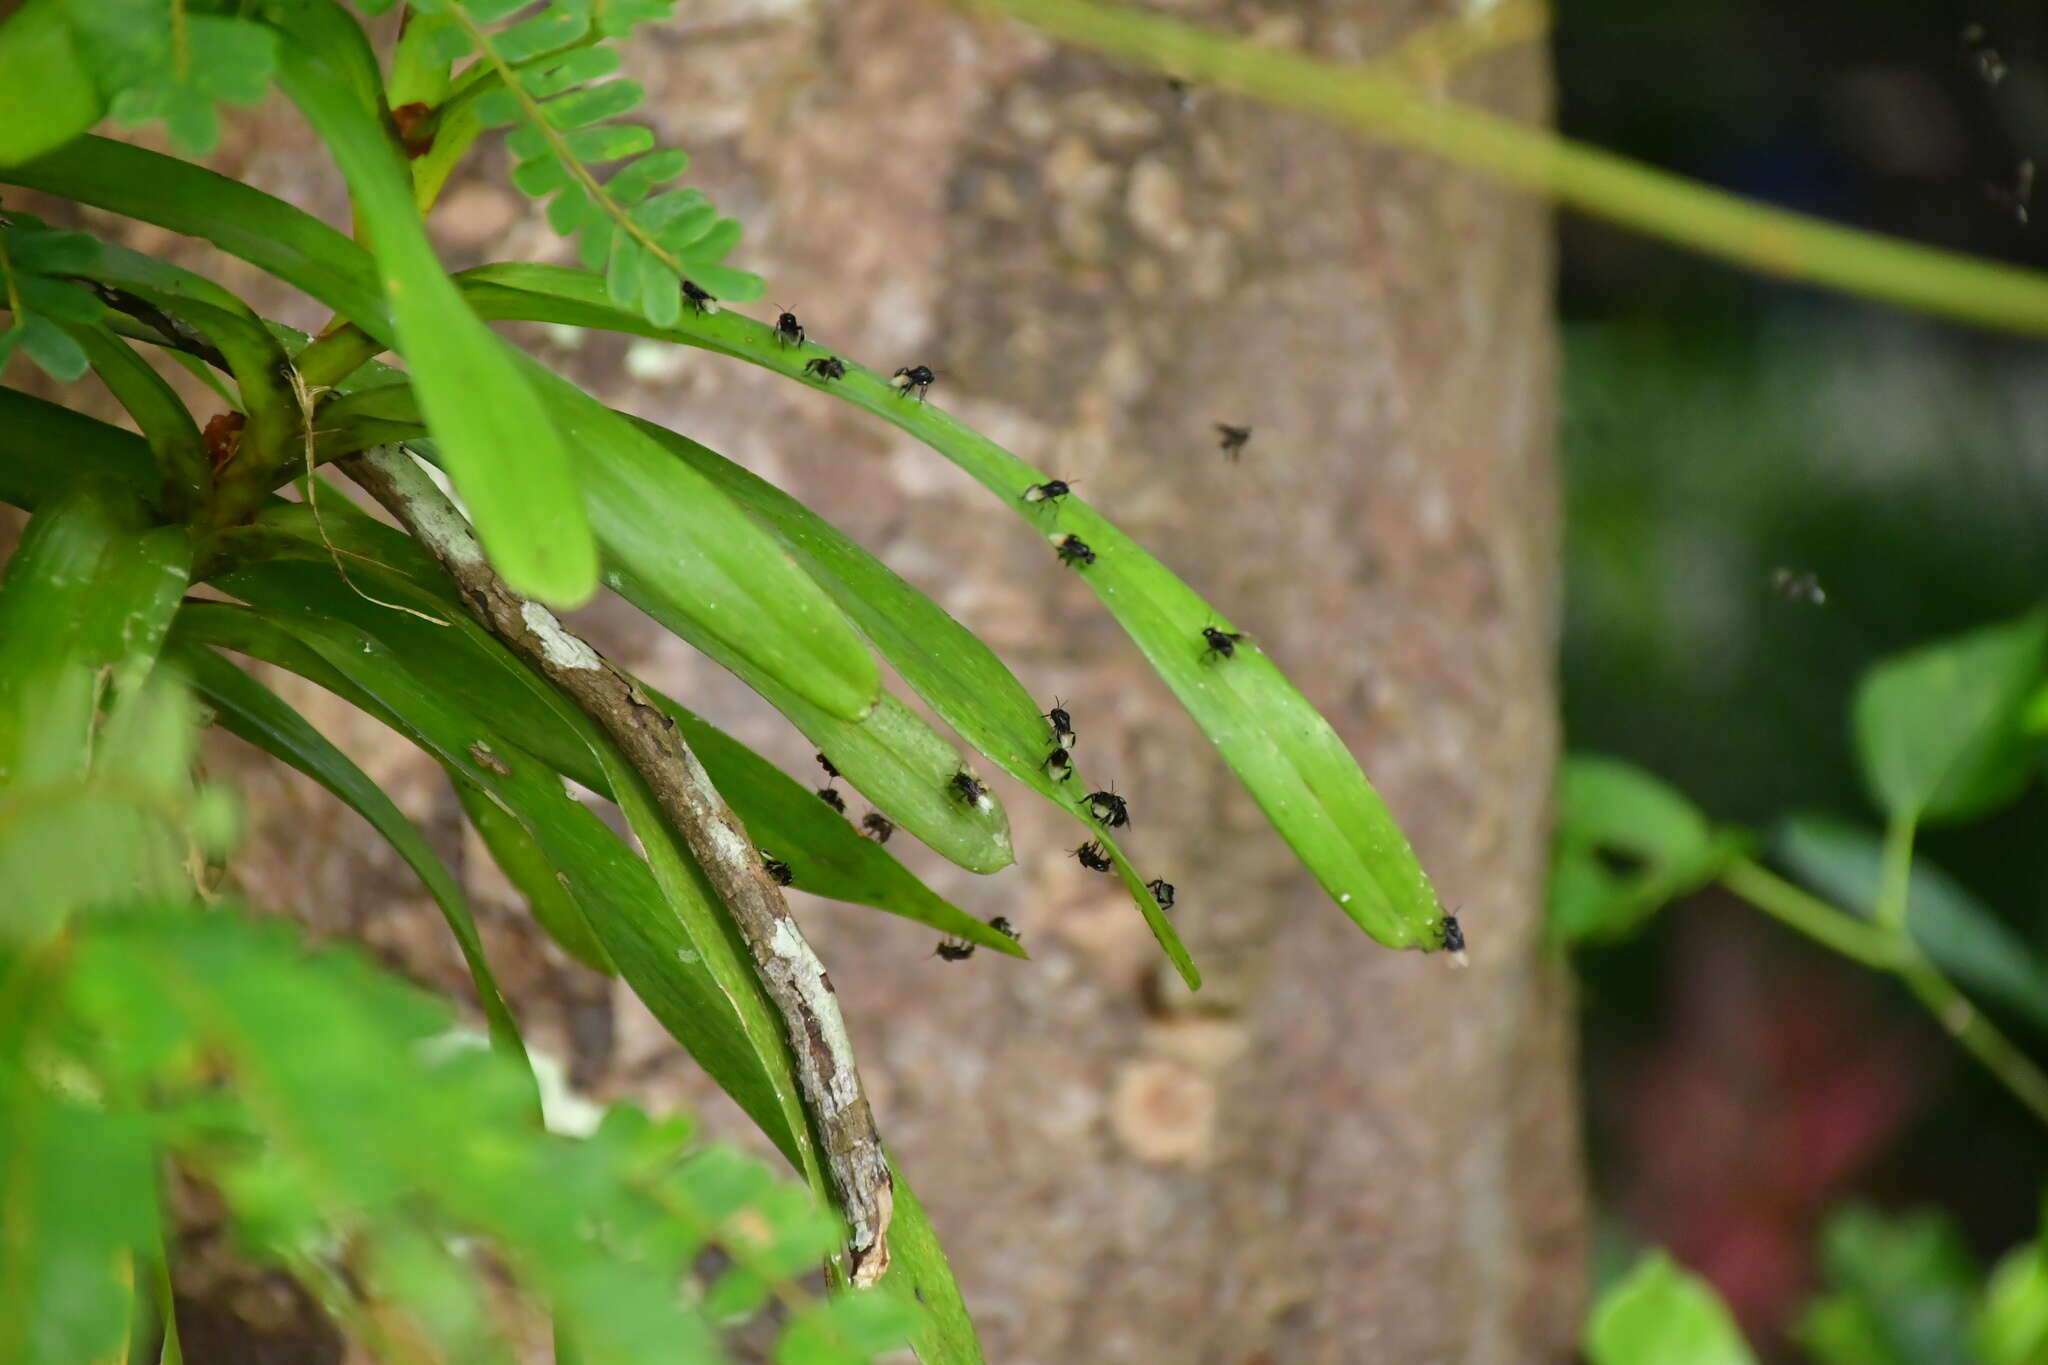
<point x="557" y="646"/>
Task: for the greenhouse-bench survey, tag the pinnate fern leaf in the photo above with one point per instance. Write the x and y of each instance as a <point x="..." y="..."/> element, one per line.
<point x="557" y="88"/>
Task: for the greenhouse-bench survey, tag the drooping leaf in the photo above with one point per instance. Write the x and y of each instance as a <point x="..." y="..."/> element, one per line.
<point x="466" y="664"/>
<point x="1281" y="748"/>
<point x="1626" y="845"/>
<point x="247" y="709"/>
<point x="1901" y="1292"/>
<point x="625" y="908"/>
<point x="1661" y="1314"/>
<point x="948" y="665"/>
<point x="1940" y="729"/>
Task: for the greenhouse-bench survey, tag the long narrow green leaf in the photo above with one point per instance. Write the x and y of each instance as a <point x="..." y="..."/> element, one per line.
<point x="465" y="664"/>
<point x="172" y="435"/>
<point x="241" y="220"/>
<point x="247" y="709"/>
<point x="45" y="449"/>
<point x="640" y="931"/>
<point x="829" y="665"/>
<point x="95" y="808"/>
<point x="947" y="664"/>
<point x="697" y="561"/>
<point x="506" y="457"/>
<point x="525" y="864"/>
<point x="1279" y="746"/>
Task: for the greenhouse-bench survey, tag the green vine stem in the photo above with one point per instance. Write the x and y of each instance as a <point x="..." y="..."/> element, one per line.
<point x="1885" y="946"/>
<point x="1771" y="241"/>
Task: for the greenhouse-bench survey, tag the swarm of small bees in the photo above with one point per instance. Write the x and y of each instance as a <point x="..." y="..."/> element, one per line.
<point x="1217" y="647"/>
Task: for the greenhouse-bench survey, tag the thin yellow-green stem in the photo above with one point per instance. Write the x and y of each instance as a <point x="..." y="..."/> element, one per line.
<point x="1895" y="882"/>
<point x="1769" y="240"/>
<point x="1808" y="914"/>
<point x="1885" y="946"/>
<point x="1977" y="1034"/>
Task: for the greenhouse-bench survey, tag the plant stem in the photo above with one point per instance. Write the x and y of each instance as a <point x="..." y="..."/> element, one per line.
<point x="1885" y="946"/>
<point x="1895" y="882"/>
<point x="1979" y="1036"/>
<point x="1769" y="240"/>
<point x="789" y="972"/>
<point x="1811" y="916"/>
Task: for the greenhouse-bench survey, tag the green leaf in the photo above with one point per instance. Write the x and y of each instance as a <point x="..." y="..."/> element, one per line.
<point x="248" y="710"/>
<point x="507" y="459"/>
<point x="625" y="908"/>
<point x="525" y="864"/>
<point x="1659" y="1314"/>
<point x="847" y="1329"/>
<point x="1901" y="1292"/>
<point x="1961" y="935"/>
<point x="353" y="1113"/>
<point x="1626" y="845"/>
<point x="46" y="449"/>
<point x="1281" y="748"/>
<point x="80" y="1191"/>
<point x="2011" y="1325"/>
<point x="945" y="663"/>
<point x="467" y="665"/>
<point x="726" y="578"/>
<point x="148" y="398"/>
<point x="918" y="1270"/>
<point x="53" y="350"/>
<point x="210" y="57"/>
<point x="47" y="93"/>
<point x="1939" y="729"/>
<point x="242" y="221"/>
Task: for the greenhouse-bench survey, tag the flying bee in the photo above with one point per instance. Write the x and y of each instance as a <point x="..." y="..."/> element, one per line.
<point x="878" y="826"/>
<point x="1234" y="438"/>
<point x="826" y="367"/>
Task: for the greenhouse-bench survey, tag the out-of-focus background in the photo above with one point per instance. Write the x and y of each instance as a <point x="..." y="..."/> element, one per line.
<point x="1740" y="1082"/>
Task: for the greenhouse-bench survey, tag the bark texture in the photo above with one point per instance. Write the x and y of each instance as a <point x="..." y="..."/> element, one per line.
<point x="1334" y="1153"/>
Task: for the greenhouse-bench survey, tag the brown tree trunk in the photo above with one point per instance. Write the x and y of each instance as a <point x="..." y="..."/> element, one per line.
<point x="1333" y="1153"/>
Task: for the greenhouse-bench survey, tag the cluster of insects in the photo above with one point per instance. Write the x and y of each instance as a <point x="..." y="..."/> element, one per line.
<point x="1107" y="808"/>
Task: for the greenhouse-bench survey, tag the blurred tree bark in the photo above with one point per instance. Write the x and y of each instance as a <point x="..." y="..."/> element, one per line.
<point x="1334" y="1153"/>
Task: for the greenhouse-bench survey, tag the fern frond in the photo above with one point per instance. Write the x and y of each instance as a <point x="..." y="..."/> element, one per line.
<point x="554" y="67"/>
<point x="153" y="59"/>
